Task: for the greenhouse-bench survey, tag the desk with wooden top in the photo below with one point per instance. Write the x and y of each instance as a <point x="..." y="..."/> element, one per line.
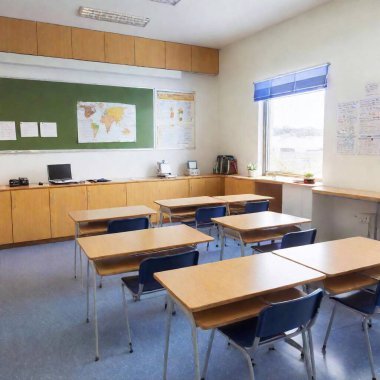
<point x="123" y="252"/>
<point x="256" y="227"/>
<point x="241" y="199"/>
<point x="371" y="196"/>
<point x="217" y="294"/>
<point x="348" y="264"/>
<point x="92" y="222"/>
<point x="184" y="207"/>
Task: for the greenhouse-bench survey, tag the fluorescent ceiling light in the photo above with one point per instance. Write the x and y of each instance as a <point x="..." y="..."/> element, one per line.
<point x="171" y="2"/>
<point x="122" y="18"/>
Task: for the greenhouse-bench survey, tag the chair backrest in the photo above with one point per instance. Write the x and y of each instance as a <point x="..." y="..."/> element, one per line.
<point x="159" y="264"/>
<point x="285" y="316"/>
<point x="296" y="239"/>
<point x="204" y="214"/>
<point x="252" y="207"/>
<point x="130" y="224"/>
<point x="377" y="295"/>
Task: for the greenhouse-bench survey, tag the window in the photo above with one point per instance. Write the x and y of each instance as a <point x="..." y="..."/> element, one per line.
<point x="294" y="133"/>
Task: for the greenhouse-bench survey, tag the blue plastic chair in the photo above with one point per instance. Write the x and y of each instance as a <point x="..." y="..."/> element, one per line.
<point x="130" y="224"/>
<point x="278" y="321"/>
<point x="145" y="282"/>
<point x="253" y="207"/>
<point x="289" y="240"/>
<point x="365" y="303"/>
<point x="203" y="216"/>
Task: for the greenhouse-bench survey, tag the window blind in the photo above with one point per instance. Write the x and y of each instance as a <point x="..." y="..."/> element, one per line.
<point x="300" y="81"/>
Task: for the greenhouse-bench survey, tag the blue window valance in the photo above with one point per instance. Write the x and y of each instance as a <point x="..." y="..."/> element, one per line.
<point x="311" y="79"/>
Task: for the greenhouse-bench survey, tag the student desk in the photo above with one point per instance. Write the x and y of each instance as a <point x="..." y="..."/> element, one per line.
<point x="184" y="207"/>
<point x="257" y="227"/>
<point x="122" y="252"/>
<point x="92" y="222"/>
<point x="224" y="292"/>
<point x="241" y="199"/>
<point x="348" y="264"/>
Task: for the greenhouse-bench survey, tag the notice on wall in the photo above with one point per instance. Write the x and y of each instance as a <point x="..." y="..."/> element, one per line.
<point x="372" y="89"/>
<point x="48" y="129"/>
<point x="106" y="122"/>
<point x="29" y="129"/>
<point x="7" y="130"/>
<point x="347" y="123"/>
<point x="369" y="145"/>
<point x="175" y="120"/>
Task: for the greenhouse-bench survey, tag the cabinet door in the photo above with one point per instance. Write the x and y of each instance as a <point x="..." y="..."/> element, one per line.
<point x="54" y="40"/>
<point x="214" y="186"/>
<point x="62" y="201"/>
<point x="176" y="188"/>
<point x="178" y="56"/>
<point x="120" y="49"/>
<point x="30" y="215"/>
<point x="239" y="186"/>
<point x="88" y="45"/>
<point x="104" y="196"/>
<point x="204" y="60"/>
<point x="274" y="190"/>
<point x="18" y="36"/>
<point x="143" y="193"/>
<point x="6" y="236"/>
<point x="149" y="53"/>
<point x="197" y="187"/>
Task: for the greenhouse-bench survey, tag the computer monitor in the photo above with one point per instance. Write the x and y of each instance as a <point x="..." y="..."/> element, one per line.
<point x="59" y="172"/>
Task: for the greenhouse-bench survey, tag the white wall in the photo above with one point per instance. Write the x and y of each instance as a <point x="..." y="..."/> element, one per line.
<point x="344" y="33"/>
<point x="114" y="164"/>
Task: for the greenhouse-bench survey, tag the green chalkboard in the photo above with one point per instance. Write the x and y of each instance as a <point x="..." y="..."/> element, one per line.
<point x="40" y="101"/>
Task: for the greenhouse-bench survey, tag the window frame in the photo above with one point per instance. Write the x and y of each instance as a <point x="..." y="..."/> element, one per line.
<point x="266" y="141"/>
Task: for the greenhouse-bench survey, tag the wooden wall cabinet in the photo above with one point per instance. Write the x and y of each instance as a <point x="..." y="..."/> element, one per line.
<point x="119" y="49"/>
<point x="274" y="190"/>
<point x="178" y="56"/>
<point x="62" y="201"/>
<point x="204" y="60"/>
<point x="205" y="186"/>
<point x="18" y="36"/>
<point x="88" y="45"/>
<point x="54" y="40"/>
<point x="234" y="186"/>
<point x="6" y="235"/>
<point x="149" y="53"/>
<point x="30" y="215"/>
<point x="104" y="196"/>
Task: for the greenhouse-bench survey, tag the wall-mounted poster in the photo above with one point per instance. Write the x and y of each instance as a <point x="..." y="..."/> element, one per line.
<point x="106" y="122"/>
<point x="175" y="120"/>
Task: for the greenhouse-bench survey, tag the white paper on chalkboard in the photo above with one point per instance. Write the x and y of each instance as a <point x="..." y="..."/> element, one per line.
<point x="29" y="129"/>
<point x="48" y="129"/>
<point x="7" y="130"/>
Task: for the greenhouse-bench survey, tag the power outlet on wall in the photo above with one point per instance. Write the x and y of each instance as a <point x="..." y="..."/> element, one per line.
<point x="364" y="218"/>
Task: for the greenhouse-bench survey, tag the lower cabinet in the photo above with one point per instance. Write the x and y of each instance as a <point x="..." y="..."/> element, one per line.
<point x="205" y="186"/>
<point x="107" y="195"/>
<point x="234" y="186"/>
<point x="62" y="201"/>
<point x="30" y="215"/>
<point x="6" y="235"/>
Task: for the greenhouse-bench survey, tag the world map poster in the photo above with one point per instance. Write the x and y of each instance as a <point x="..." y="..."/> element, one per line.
<point x="106" y="122"/>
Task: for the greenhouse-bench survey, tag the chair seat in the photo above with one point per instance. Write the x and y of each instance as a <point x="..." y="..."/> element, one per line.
<point x="268" y="247"/>
<point x="132" y="283"/>
<point x="360" y="300"/>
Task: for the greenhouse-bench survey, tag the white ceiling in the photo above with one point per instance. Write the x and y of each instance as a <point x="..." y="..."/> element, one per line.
<point x="212" y="23"/>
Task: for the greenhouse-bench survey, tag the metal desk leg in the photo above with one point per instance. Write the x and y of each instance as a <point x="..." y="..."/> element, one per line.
<point x="196" y="351"/>
<point x="168" y="324"/>
<point x="377" y="215"/>
<point x="242" y="246"/>
<point x="88" y="292"/>
<point x="75" y="249"/>
<point x="95" y="318"/>
<point x="161" y="220"/>
<point x="222" y="242"/>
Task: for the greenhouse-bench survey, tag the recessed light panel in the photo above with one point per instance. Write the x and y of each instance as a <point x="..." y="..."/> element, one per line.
<point x="171" y="2"/>
<point x="121" y="18"/>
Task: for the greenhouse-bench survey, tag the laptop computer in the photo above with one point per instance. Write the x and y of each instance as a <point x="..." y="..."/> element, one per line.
<point x="60" y="174"/>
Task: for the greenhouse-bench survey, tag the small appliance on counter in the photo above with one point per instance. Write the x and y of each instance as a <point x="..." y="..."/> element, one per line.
<point x="164" y="170"/>
<point x="192" y="168"/>
<point x="18" y="182"/>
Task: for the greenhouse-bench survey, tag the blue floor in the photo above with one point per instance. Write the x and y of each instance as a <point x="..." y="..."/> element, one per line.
<point x="43" y="334"/>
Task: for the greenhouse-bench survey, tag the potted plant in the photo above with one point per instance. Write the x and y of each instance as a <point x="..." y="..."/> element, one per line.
<point x="251" y="167"/>
<point x="308" y="178"/>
